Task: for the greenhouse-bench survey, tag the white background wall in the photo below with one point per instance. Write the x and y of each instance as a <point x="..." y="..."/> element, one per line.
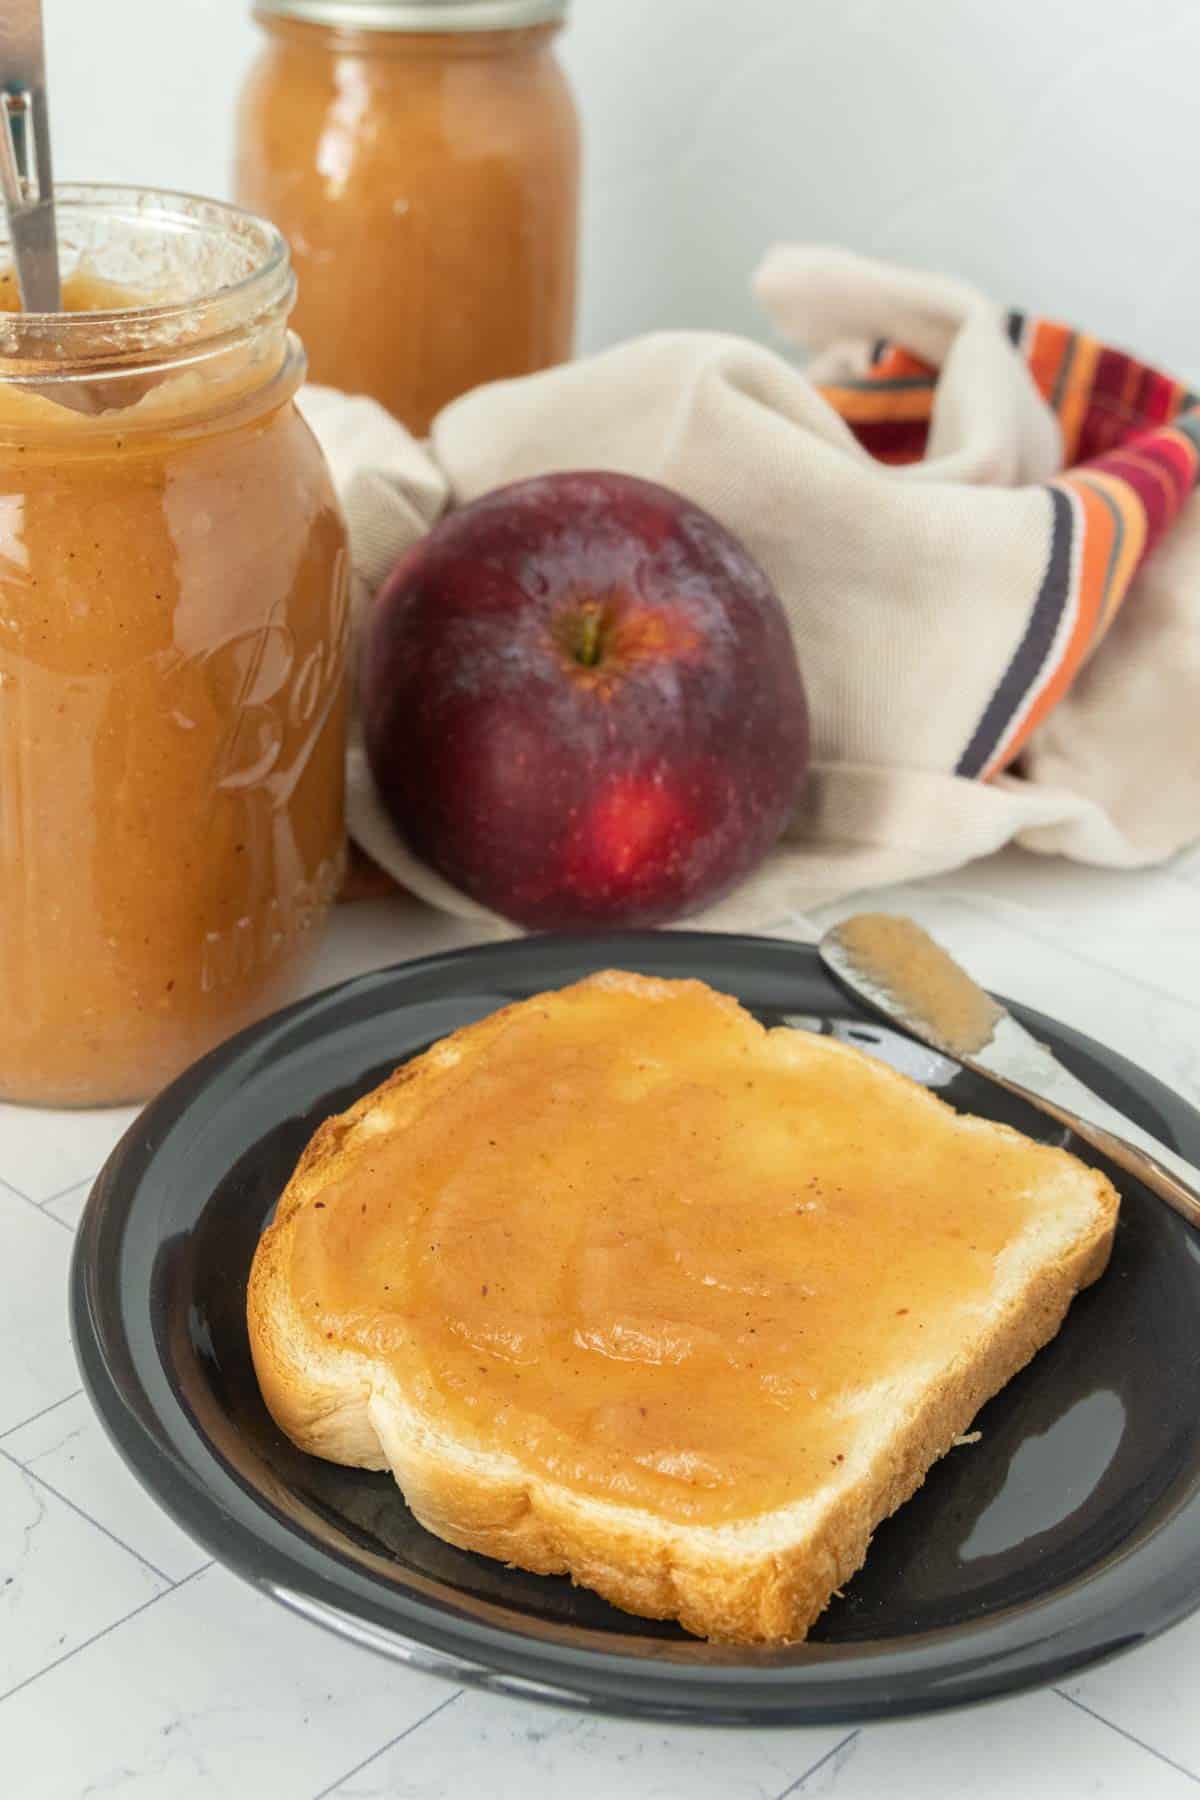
<point x="1047" y="149"/>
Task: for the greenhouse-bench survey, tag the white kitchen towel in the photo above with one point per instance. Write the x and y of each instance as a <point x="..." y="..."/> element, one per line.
<point x="955" y="505"/>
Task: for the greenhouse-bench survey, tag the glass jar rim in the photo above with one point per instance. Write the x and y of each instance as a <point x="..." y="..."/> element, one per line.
<point x="261" y="285"/>
<point x="432" y="16"/>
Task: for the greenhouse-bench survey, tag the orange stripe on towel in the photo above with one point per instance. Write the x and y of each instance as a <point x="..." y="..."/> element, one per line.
<point x="866" y="405"/>
<point x="898" y="364"/>
<point x="1045" y="354"/>
<point x="1131" y="514"/>
<point x="1096" y="535"/>
<point x="1076" y="395"/>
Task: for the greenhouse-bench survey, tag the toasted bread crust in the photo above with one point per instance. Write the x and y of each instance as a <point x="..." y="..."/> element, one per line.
<point x="759" y="1581"/>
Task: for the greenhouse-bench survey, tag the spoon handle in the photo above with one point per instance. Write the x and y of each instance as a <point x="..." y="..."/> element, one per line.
<point x="26" y="175"/>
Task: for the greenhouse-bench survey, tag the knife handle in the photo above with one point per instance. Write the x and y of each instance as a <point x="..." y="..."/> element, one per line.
<point x="1139" y="1152"/>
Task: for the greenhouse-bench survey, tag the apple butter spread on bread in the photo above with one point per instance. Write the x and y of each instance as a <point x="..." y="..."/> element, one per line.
<point x="622" y="1285"/>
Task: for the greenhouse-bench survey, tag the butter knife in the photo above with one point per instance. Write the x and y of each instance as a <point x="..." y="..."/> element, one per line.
<point x="899" y="970"/>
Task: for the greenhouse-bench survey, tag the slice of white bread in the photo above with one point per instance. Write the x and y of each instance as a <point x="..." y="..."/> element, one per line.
<point x="351" y="1378"/>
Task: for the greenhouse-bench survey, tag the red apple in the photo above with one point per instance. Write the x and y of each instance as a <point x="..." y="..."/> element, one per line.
<point x="581" y="703"/>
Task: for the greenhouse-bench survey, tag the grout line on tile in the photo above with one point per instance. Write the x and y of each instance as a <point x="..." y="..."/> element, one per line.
<point x="794" y="1787"/>
<point x="1127" y="1735"/>
<point x="9" y="1429"/>
<point x="384" y="1748"/>
<point x="209" y="1563"/>
<point x="86" y="1181"/>
<point x="96" y="1636"/>
<point x="78" y="1510"/>
<point x="28" y="1200"/>
<point x="62" y="1224"/>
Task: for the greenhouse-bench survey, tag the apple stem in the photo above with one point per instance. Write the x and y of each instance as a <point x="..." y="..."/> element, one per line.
<point x="587" y="651"/>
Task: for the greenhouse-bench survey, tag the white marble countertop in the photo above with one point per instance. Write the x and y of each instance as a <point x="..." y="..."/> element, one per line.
<point x="131" y="1665"/>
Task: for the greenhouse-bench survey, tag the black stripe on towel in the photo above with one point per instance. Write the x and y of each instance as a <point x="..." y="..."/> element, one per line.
<point x="1030" y="655"/>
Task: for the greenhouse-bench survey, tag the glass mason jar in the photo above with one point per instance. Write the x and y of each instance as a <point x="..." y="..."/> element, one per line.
<point x="173" y="610"/>
<point x="422" y="159"/>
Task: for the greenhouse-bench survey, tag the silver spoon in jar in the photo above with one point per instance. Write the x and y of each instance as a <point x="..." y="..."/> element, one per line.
<point x="899" y="970"/>
<point x="27" y="187"/>
<point x="26" y="175"/>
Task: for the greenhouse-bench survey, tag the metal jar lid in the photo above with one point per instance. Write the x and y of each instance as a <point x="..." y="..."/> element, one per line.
<point x="417" y="15"/>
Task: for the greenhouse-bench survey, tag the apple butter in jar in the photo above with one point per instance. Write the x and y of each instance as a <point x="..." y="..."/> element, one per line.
<point x="422" y="159"/>
<point x="172" y="644"/>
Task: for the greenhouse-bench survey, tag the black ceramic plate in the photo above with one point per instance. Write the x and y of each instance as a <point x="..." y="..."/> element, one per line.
<point x="1070" y="1531"/>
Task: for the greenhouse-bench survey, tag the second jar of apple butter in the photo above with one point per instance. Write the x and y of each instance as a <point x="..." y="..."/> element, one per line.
<point x="422" y="159"/>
